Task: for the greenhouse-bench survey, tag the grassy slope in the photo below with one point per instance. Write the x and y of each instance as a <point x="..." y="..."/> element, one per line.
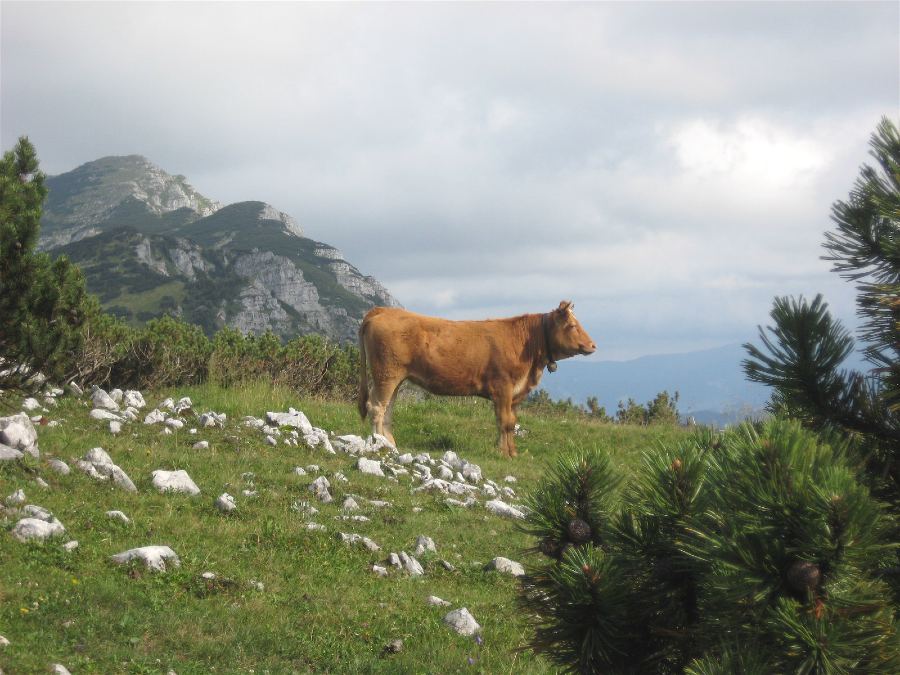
<point x="322" y="609"/>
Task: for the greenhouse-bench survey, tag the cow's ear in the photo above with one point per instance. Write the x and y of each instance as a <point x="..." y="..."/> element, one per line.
<point x="565" y="307"/>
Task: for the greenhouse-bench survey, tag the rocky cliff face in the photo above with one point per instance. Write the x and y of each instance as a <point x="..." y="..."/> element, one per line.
<point x="149" y="243"/>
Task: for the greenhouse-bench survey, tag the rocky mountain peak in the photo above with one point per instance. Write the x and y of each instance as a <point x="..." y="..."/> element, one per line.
<point x="89" y="193"/>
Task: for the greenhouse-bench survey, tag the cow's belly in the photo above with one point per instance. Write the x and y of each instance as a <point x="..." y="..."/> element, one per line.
<point x="447" y="383"/>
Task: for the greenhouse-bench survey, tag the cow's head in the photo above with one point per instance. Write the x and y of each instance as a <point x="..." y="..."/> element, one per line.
<point x="566" y="335"/>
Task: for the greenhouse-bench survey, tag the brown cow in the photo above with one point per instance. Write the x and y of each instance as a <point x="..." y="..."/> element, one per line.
<point x="499" y="359"/>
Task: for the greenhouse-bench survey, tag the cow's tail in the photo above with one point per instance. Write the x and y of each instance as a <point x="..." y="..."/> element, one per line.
<point x="363" y="399"/>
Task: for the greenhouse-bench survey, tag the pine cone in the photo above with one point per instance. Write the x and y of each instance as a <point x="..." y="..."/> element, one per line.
<point x="803" y="577"/>
<point x="579" y="531"/>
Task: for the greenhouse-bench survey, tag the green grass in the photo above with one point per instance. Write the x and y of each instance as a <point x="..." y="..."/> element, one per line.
<point x="322" y="609"/>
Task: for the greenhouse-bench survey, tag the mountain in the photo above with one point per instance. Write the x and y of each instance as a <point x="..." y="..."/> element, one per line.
<point x="711" y="383"/>
<point x="149" y="244"/>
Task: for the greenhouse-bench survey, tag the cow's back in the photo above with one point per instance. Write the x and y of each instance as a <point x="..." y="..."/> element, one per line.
<point x="442" y="356"/>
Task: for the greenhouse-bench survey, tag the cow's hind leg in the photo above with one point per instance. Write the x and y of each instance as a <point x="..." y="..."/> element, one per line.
<point x="506" y="423"/>
<point x="379" y="406"/>
<point x="389" y="416"/>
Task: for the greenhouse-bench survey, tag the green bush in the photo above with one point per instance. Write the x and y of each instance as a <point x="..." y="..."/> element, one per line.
<point x="757" y="550"/>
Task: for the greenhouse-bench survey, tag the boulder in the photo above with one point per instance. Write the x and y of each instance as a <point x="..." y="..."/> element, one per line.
<point x="503" y="509"/>
<point x="411" y="565"/>
<point x="99" y="466"/>
<point x="174" y="481"/>
<point x="225" y="503"/>
<point x="134" y="399"/>
<point x="104" y="415"/>
<point x="59" y="466"/>
<point x="425" y="545"/>
<point x="8" y="454"/>
<point x="102" y="400"/>
<point x="461" y="621"/>
<point x="370" y="466"/>
<point x="18" y="433"/>
<point x="155" y="558"/>
<point x="292" y="418"/>
<point x="155" y="417"/>
<point x="35" y="529"/>
<point x="506" y="566"/>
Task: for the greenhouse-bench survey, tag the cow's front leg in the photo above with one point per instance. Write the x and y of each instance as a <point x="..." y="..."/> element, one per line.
<point x="506" y="423"/>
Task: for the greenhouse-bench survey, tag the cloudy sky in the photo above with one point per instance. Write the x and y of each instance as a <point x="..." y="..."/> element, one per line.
<point x="669" y="167"/>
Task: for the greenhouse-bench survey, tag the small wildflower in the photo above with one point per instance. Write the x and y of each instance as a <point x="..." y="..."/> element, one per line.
<point x="23" y="610"/>
<point x="75" y="581"/>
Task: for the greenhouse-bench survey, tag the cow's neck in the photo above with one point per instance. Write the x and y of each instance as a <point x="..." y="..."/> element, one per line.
<point x="548" y="350"/>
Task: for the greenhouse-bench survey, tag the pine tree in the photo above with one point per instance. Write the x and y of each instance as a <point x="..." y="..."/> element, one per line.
<point x="753" y="551"/>
<point x="42" y="302"/>
<point x="802" y="353"/>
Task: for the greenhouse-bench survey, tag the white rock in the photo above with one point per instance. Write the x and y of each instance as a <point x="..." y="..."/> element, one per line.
<point x="250" y="493"/>
<point x="53" y="424"/>
<point x="59" y="466"/>
<point x="471" y="472"/>
<point x="116" y="395"/>
<point x="319" y="437"/>
<point x="18" y="433"/>
<point x="154" y="417"/>
<point x="174" y="422"/>
<point x="503" y="509"/>
<point x="405" y="459"/>
<point x="211" y="419"/>
<point x="200" y="445"/>
<point x="488" y="491"/>
<point x="119" y="515"/>
<point x="452" y="459"/>
<point x="299" y="470"/>
<point x="39" y="512"/>
<point x="444" y="473"/>
<point x="437" y="602"/>
<point x="510" y="479"/>
<point x="167" y="431"/>
<point x="411" y="565"/>
<point x="154" y="557"/>
<point x="508" y="492"/>
<point x="30" y="404"/>
<point x="41" y="482"/>
<point x="379" y="570"/>
<point x="184" y="403"/>
<point x="271" y="441"/>
<point x="51" y="402"/>
<point x="174" y="481"/>
<point x="370" y="466"/>
<point x="104" y="415"/>
<point x="467" y="504"/>
<point x="377" y="442"/>
<point x="350" y="504"/>
<point x="320" y="488"/>
<point x="424" y="544"/>
<point x="59" y="669"/>
<point x="292" y="418"/>
<point x="115" y="426"/>
<point x="133" y="398"/>
<point x="316" y="527"/>
<point x="312" y="468"/>
<point x="462" y="622"/>
<point x="358" y="539"/>
<point x="130" y="414"/>
<point x="70" y="545"/>
<point x="225" y="503"/>
<point x="351" y="444"/>
<point x="35" y="529"/>
<point x="341" y="478"/>
<point x="16" y="498"/>
<point x="101" y="399"/>
<point x="505" y="565"/>
<point x="3" y="642"/>
<point x="75" y="389"/>
<point x="98" y="456"/>
<point x="8" y="454"/>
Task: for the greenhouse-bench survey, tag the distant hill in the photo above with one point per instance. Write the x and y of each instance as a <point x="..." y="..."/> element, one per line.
<point x="149" y="244"/>
<point x="710" y="382"/>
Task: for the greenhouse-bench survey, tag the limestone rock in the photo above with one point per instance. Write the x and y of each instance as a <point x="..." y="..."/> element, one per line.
<point x="134" y="399"/>
<point x="292" y="418"/>
<point x="18" y="433"/>
<point x="505" y="565"/>
<point x="155" y="558"/>
<point x="503" y="509"/>
<point x="104" y="415"/>
<point x="174" y="481"/>
<point x="437" y="602"/>
<point x="118" y="515"/>
<point x="461" y="621"/>
<point x="154" y="417"/>
<point x="370" y="466"/>
<point x="35" y="529"/>
<point x="425" y="545"/>
<point x="358" y="539"/>
<point x="16" y="498"/>
<point x="8" y="454"/>
<point x="225" y="503"/>
<point x="99" y="466"/>
<point x="200" y="445"/>
<point x="411" y="565"/>
<point x="59" y="466"/>
<point x="101" y="399"/>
